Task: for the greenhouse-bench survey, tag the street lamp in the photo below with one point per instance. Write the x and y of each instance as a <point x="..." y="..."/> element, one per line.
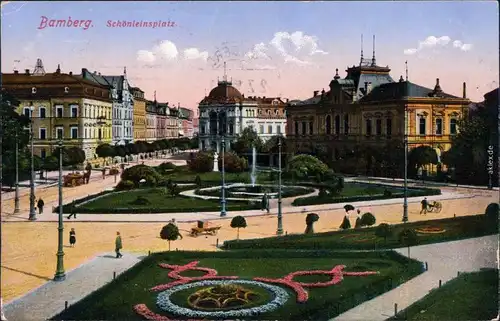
<point x="32" y="216"/>
<point x="279" y="231"/>
<point x="405" y="199"/>
<point x="16" y="193"/>
<point x="223" y="200"/>
<point x="60" y="275"/>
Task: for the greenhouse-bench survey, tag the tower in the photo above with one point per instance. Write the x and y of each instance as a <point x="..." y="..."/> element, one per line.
<point x="361" y="59"/>
<point x="374" y="62"/>
<point x="39" y="70"/>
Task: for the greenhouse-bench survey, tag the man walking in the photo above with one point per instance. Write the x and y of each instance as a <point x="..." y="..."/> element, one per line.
<point x="265" y="203"/>
<point x="118" y="245"/>
<point x="72" y="212"/>
<point x="424" y="203"/>
<point x="40" y="205"/>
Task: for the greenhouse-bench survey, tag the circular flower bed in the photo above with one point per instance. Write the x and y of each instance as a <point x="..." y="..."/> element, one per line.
<point x="430" y="230"/>
<point x="220" y="289"/>
<point x="222" y="297"/>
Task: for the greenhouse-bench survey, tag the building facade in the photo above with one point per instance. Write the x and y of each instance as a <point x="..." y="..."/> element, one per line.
<point x="186" y="119"/>
<point x="139" y="124"/>
<point x="161" y="120"/>
<point x="123" y="104"/>
<point x="172" y="123"/>
<point x="225" y="112"/>
<point x="368" y="107"/>
<point x="66" y="107"/>
<point x="151" y="121"/>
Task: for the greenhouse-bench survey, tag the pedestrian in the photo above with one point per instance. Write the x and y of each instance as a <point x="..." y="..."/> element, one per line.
<point x="118" y="245"/>
<point x="424" y="206"/>
<point x="103" y="172"/>
<point x="72" y="237"/>
<point x="40" y="205"/>
<point x="265" y="203"/>
<point x="72" y="212"/>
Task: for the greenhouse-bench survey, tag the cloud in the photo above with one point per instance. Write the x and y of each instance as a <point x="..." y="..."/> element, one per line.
<point x="432" y="41"/>
<point x="462" y="46"/>
<point x="258" y="51"/>
<point x="145" y="56"/>
<point x="195" y="53"/>
<point x="165" y="50"/>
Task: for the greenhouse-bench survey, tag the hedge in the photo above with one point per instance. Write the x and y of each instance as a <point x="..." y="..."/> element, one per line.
<point x="317" y="200"/>
<point x="296" y="191"/>
<point x="67" y="207"/>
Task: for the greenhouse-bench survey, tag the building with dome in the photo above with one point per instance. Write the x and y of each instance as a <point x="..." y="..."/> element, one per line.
<point x="226" y="112"/>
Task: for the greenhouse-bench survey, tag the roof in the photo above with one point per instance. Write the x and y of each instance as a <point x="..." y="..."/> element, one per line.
<point x="223" y="93"/>
<point x="399" y="90"/>
<point x="49" y="78"/>
<point x="115" y="82"/>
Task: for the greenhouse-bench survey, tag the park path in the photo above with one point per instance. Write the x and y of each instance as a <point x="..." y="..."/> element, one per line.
<point x="49" y="299"/>
<point x="444" y="260"/>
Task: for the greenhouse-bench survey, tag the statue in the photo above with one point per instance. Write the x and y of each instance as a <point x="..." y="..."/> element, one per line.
<point x="216" y="162"/>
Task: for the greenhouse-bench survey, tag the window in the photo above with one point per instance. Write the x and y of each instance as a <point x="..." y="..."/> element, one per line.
<point x="311" y="128"/>
<point x="346" y="124"/>
<point x="453" y="126"/>
<point x="278" y="129"/>
<point x="388" y="127"/>
<point x="328" y="124"/>
<point x="43" y="153"/>
<point x="304" y="127"/>
<point x="74" y="111"/>
<point x="368" y="125"/>
<point x="439" y="126"/>
<point x="378" y="127"/>
<point x="296" y="128"/>
<point x="59" y="132"/>
<point x="74" y="132"/>
<point x="33" y="90"/>
<point x="421" y="126"/>
<point x="86" y="133"/>
<point x="270" y="129"/>
<point x="42" y="112"/>
<point x="59" y="111"/>
<point x="337" y="125"/>
<point x="261" y="129"/>
<point x="42" y="133"/>
<point x="26" y="112"/>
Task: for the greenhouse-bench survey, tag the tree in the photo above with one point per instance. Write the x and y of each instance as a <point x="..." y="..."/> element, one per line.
<point x="419" y="157"/>
<point x="67" y="161"/>
<point x="492" y="211"/>
<point x="233" y="163"/>
<point x="408" y="238"/>
<point x="305" y="166"/>
<point x="120" y="151"/>
<point x="50" y="163"/>
<point x="76" y="156"/>
<point x="246" y="141"/>
<point x="170" y="232"/>
<point x="105" y="150"/>
<point x="311" y="218"/>
<point x="367" y="219"/>
<point x="238" y="222"/>
<point x="345" y="223"/>
<point x="138" y="172"/>
<point x="202" y="162"/>
<point x="384" y="230"/>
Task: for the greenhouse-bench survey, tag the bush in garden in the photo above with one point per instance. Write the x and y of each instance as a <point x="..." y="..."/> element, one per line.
<point x="238" y="222"/>
<point x="345" y="223"/>
<point x="136" y="173"/>
<point x="322" y="192"/>
<point x="387" y="193"/>
<point x="202" y="162"/>
<point x="384" y="230"/>
<point x="197" y="181"/>
<point x="170" y="232"/>
<point x="174" y="190"/>
<point x="167" y="166"/>
<point x="408" y="237"/>
<point x="140" y="200"/>
<point x="233" y="163"/>
<point x="492" y="210"/>
<point x="311" y="218"/>
<point x="125" y="185"/>
<point x="273" y="176"/>
<point x="367" y="219"/>
<point x="302" y="167"/>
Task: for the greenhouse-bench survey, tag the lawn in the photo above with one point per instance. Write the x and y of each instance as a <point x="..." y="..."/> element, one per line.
<point x="116" y="300"/>
<point x="183" y="175"/>
<point x="365" y="238"/>
<point x="158" y="201"/>
<point x="471" y="296"/>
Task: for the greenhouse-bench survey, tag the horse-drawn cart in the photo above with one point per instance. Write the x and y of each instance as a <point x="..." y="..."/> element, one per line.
<point x="435" y="207"/>
<point x="204" y="228"/>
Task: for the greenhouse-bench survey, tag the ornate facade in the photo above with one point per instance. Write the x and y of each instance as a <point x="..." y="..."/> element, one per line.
<point x="368" y="107"/>
<point x="139" y="114"/>
<point x="151" y="121"/>
<point x="66" y="107"/>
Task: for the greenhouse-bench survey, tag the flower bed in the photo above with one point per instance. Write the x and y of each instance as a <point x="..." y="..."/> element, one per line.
<point x="430" y="230"/>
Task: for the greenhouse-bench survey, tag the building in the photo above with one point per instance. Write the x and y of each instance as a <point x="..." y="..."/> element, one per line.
<point x="186" y="119"/>
<point x="66" y="107"/>
<point x="151" y="120"/>
<point x="139" y="124"/>
<point x="368" y="107"/>
<point x="173" y="123"/>
<point x="123" y="104"/>
<point x="225" y="112"/>
<point x="161" y="120"/>
<point x="196" y="126"/>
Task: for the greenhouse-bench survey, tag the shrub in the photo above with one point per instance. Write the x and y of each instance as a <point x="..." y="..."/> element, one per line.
<point x="140" y="200"/>
<point x="387" y="193"/>
<point x="273" y="176"/>
<point x="311" y="218"/>
<point x="170" y="232"/>
<point x="384" y="230"/>
<point x="322" y="192"/>
<point x="125" y="185"/>
<point x="345" y="223"/>
<point x="408" y="237"/>
<point x="136" y="173"/>
<point x="238" y="222"/>
<point x="492" y="210"/>
<point x="368" y="219"/>
<point x="233" y="163"/>
<point x="167" y="166"/>
<point x="305" y="166"/>
<point x="197" y="181"/>
<point x="202" y="162"/>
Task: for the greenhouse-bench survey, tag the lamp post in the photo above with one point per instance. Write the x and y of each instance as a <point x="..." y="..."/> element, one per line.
<point x="60" y="275"/>
<point x="223" y="199"/>
<point x="16" y="193"/>
<point x="32" y="216"/>
<point x="405" y="199"/>
<point x="279" y="231"/>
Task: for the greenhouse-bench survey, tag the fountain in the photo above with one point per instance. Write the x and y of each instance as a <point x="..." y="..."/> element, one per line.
<point x="253" y="174"/>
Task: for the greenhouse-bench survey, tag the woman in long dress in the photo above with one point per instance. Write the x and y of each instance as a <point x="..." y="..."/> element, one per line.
<point x="72" y="237"/>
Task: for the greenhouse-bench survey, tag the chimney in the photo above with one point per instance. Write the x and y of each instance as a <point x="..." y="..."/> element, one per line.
<point x="26" y="71"/>
<point x="464" y="92"/>
<point x="316" y="93"/>
<point x="401" y="79"/>
<point x="71" y="73"/>
<point x="286" y="99"/>
<point x="16" y="72"/>
<point x="264" y="97"/>
<point x="58" y="70"/>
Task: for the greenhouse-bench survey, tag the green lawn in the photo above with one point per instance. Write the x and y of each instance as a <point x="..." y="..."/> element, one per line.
<point x="471" y="296"/>
<point x="115" y="301"/>
<point x="185" y="176"/>
<point x="159" y="202"/>
<point x="365" y="238"/>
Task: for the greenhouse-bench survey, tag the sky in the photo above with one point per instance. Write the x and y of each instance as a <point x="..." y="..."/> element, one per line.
<point x="272" y="49"/>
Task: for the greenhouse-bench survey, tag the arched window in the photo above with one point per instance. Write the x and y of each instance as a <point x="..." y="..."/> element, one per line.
<point x="453" y="126"/>
<point x="328" y="124"/>
<point x="337" y="125"/>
